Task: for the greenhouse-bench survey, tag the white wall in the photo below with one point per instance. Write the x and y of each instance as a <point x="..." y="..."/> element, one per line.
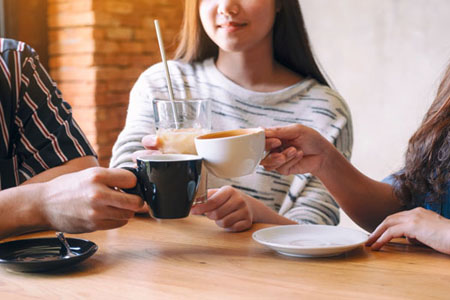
<point x="385" y="57"/>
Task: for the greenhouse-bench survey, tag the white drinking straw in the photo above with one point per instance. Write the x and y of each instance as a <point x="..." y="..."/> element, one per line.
<point x="163" y="56"/>
<point x="166" y="68"/>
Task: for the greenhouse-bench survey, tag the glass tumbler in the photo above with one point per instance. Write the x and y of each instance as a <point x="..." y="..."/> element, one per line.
<point x="177" y="124"/>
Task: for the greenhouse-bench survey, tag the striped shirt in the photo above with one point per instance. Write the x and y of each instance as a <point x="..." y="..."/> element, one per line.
<point x="302" y="197"/>
<point x="37" y="128"/>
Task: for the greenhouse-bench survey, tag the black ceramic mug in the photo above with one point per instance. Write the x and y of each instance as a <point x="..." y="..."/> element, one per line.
<point x="168" y="183"/>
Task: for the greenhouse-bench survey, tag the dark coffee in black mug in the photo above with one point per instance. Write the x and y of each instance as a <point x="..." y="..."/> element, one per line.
<point x="168" y="183"/>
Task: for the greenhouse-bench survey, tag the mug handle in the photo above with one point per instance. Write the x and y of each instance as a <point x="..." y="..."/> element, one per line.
<point x="137" y="190"/>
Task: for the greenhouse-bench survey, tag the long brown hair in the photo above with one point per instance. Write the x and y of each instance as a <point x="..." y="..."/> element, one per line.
<point x="427" y="161"/>
<point x="290" y="40"/>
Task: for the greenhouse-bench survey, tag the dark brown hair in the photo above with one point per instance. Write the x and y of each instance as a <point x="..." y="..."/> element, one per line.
<point x="290" y="40"/>
<point x="427" y="160"/>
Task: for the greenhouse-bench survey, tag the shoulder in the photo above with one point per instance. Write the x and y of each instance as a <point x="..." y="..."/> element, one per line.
<point x="325" y="92"/>
<point x="324" y="109"/>
<point x="390" y="179"/>
<point x="326" y="95"/>
<point x="16" y="55"/>
<point x="176" y="68"/>
<point x="10" y="45"/>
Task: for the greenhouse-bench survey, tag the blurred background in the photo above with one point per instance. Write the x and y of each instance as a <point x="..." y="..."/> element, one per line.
<point x="385" y="57"/>
<point x="95" y="51"/>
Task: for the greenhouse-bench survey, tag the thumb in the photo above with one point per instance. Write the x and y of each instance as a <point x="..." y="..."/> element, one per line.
<point x="120" y="178"/>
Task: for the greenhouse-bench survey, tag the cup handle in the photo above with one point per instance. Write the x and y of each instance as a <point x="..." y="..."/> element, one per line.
<point x="137" y="190"/>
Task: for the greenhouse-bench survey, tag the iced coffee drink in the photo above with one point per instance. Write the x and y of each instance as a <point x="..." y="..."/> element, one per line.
<point x="177" y="124"/>
<point x="179" y="140"/>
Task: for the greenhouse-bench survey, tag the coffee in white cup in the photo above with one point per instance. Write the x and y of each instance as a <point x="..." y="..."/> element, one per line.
<point x="231" y="153"/>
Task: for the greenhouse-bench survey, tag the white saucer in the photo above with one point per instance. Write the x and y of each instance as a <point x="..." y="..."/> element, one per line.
<point x="310" y="240"/>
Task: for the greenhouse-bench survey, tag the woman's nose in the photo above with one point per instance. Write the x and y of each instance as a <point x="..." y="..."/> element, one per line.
<point x="228" y="8"/>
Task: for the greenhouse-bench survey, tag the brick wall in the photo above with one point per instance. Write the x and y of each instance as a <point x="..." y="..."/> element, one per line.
<point x="97" y="50"/>
<point x="26" y="20"/>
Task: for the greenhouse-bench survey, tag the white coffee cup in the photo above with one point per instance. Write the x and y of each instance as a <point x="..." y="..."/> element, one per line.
<point x="231" y="153"/>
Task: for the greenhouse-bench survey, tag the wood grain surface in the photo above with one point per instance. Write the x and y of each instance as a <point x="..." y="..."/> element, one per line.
<point x="192" y="258"/>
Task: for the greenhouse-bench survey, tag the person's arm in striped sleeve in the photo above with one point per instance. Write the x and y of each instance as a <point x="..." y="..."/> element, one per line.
<point x="43" y="154"/>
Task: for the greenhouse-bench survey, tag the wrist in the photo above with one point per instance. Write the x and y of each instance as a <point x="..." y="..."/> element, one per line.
<point x="260" y="212"/>
<point x="38" y="216"/>
<point x="445" y="230"/>
<point x="330" y="157"/>
<point x="264" y="214"/>
<point x="25" y="212"/>
<point x="253" y="207"/>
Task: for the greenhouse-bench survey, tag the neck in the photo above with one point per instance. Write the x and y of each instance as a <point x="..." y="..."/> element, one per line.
<point x="247" y="68"/>
<point x="255" y="69"/>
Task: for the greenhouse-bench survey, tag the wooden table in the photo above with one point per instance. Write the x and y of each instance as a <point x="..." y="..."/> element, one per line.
<point x="193" y="258"/>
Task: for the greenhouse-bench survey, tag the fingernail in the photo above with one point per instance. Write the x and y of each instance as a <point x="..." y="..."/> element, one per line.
<point x="291" y="152"/>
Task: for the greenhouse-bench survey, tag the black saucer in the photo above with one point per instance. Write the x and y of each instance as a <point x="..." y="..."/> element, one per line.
<point x="43" y="254"/>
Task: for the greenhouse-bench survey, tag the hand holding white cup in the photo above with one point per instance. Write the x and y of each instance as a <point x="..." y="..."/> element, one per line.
<point x="231" y="153"/>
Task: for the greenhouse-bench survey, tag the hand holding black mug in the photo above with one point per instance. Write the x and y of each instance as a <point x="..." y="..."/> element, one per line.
<point x="168" y="183"/>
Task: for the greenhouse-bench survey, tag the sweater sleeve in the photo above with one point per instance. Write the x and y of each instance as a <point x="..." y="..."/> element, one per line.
<point x="308" y="201"/>
<point x="139" y="122"/>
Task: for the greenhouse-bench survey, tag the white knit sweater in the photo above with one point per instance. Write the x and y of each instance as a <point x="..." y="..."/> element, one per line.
<point x="302" y="197"/>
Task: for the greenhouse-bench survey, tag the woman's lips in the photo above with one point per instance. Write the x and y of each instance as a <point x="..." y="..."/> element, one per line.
<point x="232" y="26"/>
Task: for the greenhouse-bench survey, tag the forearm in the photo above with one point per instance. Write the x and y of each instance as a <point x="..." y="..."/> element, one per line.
<point x="263" y="214"/>
<point x="20" y="210"/>
<point x="366" y="201"/>
<point x="71" y="166"/>
<point x="21" y="207"/>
